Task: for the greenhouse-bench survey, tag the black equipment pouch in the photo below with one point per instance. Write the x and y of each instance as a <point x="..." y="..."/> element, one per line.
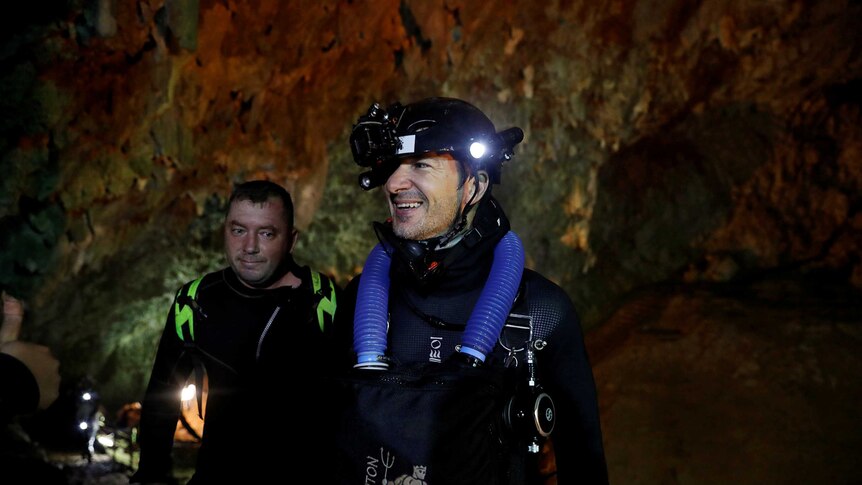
<point x="432" y="424"/>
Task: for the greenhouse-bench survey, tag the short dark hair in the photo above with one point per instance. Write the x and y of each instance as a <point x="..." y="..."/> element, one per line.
<point x="259" y="191"/>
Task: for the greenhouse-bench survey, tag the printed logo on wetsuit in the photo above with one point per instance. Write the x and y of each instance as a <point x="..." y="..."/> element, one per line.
<point x="434" y="354"/>
<point x="377" y="470"/>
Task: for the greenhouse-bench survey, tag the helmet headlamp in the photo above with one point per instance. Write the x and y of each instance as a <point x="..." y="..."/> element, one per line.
<point x="477" y="150"/>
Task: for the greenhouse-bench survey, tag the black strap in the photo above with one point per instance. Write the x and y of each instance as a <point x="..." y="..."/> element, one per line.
<point x="200" y="373"/>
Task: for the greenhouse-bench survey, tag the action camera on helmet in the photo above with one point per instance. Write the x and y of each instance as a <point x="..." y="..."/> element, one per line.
<point x="382" y="137"/>
<point x="373" y="137"/>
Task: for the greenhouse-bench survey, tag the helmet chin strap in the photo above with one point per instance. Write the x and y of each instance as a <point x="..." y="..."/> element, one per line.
<point x="427" y="260"/>
<point x="460" y="220"/>
<point x="421" y="256"/>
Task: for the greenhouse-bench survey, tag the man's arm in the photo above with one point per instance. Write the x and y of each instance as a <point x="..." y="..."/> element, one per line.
<point x="567" y="376"/>
<point x="160" y="410"/>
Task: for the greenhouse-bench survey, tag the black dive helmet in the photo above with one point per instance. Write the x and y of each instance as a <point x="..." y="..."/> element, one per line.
<point x="444" y="125"/>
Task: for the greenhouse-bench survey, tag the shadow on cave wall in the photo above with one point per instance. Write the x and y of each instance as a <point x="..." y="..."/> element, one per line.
<point x="661" y="197"/>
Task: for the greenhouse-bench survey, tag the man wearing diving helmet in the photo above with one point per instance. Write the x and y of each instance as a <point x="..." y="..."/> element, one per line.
<point x="466" y="362"/>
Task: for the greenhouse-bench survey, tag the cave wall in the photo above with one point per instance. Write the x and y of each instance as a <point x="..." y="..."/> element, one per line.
<point x="678" y="140"/>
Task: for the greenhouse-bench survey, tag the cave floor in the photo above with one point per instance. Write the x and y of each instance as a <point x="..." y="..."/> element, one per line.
<point x="716" y="384"/>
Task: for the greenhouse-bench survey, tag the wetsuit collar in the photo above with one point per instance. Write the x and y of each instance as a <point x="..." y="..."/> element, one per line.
<point x="289" y="264"/>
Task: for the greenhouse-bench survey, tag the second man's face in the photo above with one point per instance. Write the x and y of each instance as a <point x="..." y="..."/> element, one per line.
<point x="424" y="196"/>
<point x="257" y="240"/>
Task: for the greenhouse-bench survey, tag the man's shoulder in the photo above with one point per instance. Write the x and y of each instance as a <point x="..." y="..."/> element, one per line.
<point x="308" y="272"/>
<point x="203" y="282"/>
<point x="352" y="286"/>
<point x="547" y="299"/>
<point x="540" y="286"/>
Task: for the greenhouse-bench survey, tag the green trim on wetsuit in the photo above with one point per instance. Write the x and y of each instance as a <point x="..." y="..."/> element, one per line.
<point x="186" y="314"/>
<point x="327" y="305"/>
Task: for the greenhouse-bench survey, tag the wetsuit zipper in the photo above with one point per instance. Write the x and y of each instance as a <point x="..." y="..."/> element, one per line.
<point x="265" y="330"/>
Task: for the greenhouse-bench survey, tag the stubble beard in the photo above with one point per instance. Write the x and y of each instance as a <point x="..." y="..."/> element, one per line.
<point x="433" y="223"/>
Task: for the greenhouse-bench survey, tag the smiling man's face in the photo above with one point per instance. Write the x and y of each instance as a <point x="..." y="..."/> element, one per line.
<point x="425" y="195"/>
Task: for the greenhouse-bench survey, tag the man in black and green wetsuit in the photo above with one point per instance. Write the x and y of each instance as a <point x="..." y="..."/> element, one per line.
<point x="260" y="324"/>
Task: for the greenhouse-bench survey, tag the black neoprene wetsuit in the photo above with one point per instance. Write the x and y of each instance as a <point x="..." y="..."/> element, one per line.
<point x="251" y="342"/>
<point x="564" y="370"/>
